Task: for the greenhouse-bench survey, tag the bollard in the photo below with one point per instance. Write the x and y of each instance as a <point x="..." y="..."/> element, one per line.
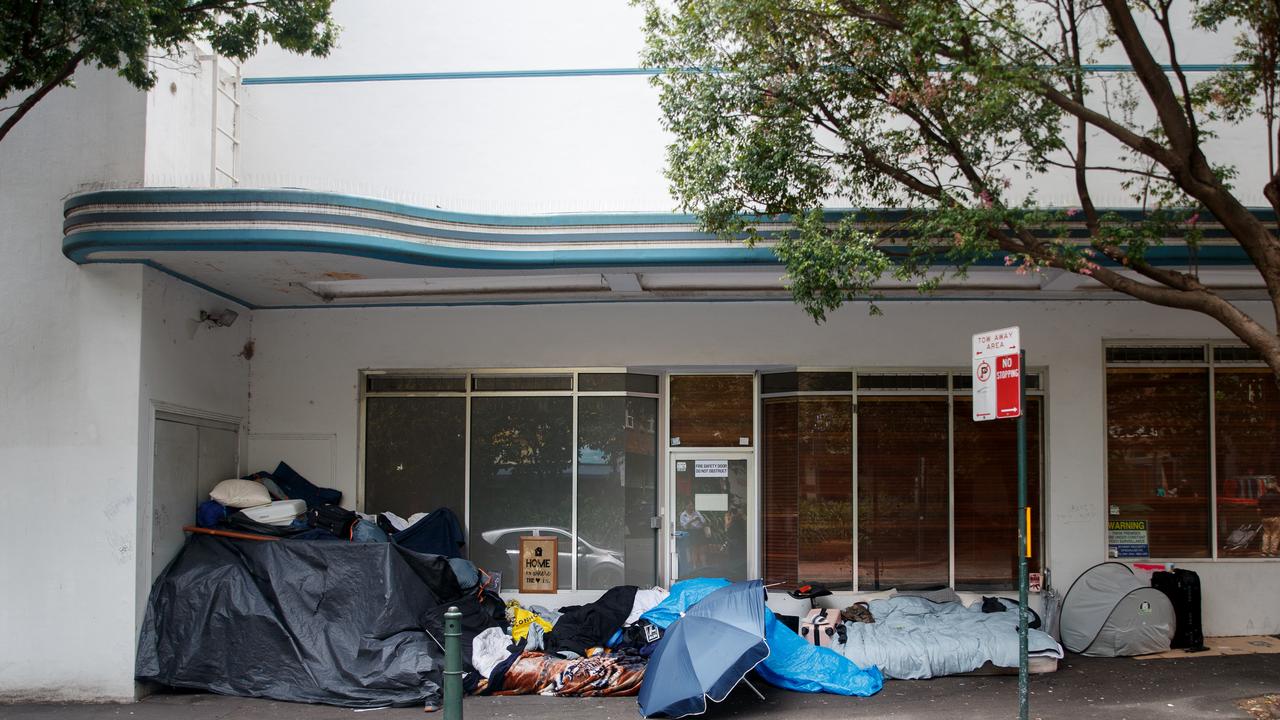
<point x="453" y="664"/>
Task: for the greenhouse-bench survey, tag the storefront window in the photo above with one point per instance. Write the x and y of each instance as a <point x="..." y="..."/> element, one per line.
<point x="1247" y="434"/>
<point x="1158" y="462"/>
<point x="808" y="488"/>
<point x="521" y="478"/>
<point x="415" y="454"/>
<point x="986" y="496"/>
<point x="529" y="475"/>
<point x="617" y="489"/>
<point x="902" y="492"/>
<point x="712" y="410"/>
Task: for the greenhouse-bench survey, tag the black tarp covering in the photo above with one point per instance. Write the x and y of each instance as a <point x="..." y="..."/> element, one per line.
<point x="338" y="623"/>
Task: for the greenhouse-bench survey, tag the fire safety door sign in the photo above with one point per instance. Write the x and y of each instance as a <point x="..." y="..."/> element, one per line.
<point x="997" y="375"/>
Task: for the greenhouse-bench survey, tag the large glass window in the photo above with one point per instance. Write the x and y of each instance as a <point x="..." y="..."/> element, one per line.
<point x="1158" y="462"/>
<point x="1247" y="432"/>
<point x="986" y="496"/>
<point x="521" y="477"/>
<point x="617" y="490"/>
<point x="936" y="496"/>
<point x="903" y="509"/>
<point x="808" y="493"/>
<point x="712" y="410"/>
<point x="415" y="454"/>
<point x="1191" y="444"/>
<point x="529" y="474"/>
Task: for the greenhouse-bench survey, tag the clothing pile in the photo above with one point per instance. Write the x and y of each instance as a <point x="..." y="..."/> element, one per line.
<point x="284" y="504"/>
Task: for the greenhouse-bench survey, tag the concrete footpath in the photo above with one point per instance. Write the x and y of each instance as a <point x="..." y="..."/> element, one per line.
<point x="1115" y="689"/>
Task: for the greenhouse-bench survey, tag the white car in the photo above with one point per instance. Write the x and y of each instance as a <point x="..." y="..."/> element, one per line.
<point x="598" y="569"/>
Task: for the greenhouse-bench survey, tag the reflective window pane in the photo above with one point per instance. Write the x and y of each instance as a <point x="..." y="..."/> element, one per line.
<point x="712" y="410"/>
<point x="902" y="493"/>
<point x="506" y="382"/>
<point x="781" y="500"/>
<point x="416" y="383"/>
<point x="1158" y="460"/>
<point x="986" y="497"/>
<point x="617" y="491"/>
<point x="808" y="490"/>
<point x="1247" y="406"/>
<point x="415" y="453"/>
<point x="521" y="479"/>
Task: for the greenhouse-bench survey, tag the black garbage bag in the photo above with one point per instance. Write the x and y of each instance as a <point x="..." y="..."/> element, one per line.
<point x="343" y="624"/>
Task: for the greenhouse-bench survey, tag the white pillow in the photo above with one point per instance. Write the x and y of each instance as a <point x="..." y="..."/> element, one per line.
<point x="240" y="493"/>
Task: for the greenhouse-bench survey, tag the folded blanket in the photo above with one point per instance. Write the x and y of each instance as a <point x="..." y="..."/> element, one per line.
<point x="605" y="675"/>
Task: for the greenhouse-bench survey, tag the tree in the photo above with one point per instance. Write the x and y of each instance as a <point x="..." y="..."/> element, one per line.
<point x="44" y="42"/>
<point x="949" y="110"/>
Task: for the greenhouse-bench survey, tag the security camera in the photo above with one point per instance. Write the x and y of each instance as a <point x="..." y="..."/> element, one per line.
<point x="221" y="318"/>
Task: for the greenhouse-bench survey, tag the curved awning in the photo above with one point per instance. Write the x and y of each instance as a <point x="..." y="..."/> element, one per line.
<point x="298" y="248"/>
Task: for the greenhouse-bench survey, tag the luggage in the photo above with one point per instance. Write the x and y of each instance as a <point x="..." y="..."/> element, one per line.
<point x="332" y="518"/>
<point x="280" y="512"/>
<point x="823" y="627"/>
<point x="1182" y="587"/>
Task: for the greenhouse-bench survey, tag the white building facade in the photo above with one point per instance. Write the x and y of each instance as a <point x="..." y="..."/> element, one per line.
<point x="459" y="280"/>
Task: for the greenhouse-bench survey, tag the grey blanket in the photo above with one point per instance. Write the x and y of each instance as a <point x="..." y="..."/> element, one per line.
<point x="913" y="638"/>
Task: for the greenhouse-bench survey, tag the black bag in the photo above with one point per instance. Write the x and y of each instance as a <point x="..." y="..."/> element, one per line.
<point x="333" y="518"/>
<point x="1182" y="587"/>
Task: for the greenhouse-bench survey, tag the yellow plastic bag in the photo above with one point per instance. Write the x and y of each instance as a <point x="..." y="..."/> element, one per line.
<point x="520" y="625"/>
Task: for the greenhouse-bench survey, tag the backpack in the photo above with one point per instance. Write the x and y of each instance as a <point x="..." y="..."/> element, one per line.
<point x="857" y="612"/>
<point x="334" y="519"/>
<point x="823" y="627"/>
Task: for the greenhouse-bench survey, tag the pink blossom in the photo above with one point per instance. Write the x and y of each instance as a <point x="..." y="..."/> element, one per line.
<point x="985" y="197"/>
<point x="1072" y="212"/>
<point x="1195" y="218"/>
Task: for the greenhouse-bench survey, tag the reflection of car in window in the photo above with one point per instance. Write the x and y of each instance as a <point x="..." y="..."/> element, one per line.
<point x="599" y="568"/>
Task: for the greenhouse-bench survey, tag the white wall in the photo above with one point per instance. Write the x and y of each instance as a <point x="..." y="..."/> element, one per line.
<point x="305" y="380"/>
<point x="179" y="123"/>
<point x="541" y="144"/>
<point x="186" y="366"/>
<point x="69" y="374"/>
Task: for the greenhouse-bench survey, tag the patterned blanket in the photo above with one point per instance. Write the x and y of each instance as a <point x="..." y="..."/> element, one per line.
<point x="535" y="673"/>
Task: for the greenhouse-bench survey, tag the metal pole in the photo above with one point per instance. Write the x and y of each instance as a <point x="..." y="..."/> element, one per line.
<point x="453" y="664"/>
<point x="1023" y="679"/>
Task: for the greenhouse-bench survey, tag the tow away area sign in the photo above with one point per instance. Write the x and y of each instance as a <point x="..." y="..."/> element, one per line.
<point x="997" y="374"/>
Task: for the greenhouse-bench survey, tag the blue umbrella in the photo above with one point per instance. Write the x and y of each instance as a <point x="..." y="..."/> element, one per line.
<point x="706" y="652"/>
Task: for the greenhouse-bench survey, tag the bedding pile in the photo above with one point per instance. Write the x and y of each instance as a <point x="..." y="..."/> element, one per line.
<point x="913" y="638"/>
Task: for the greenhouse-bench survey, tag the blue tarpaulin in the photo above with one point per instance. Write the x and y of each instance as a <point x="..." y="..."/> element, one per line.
<point x="793" y="663"/>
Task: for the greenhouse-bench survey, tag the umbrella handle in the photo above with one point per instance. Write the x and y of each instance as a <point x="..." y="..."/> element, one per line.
<point x="753" y="688"/>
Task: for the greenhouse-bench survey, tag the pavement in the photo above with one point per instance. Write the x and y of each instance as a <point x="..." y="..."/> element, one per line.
<point x="1111" y="688"/>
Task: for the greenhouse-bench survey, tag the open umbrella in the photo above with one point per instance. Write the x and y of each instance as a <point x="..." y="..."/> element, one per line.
<point x="706" y="652"/>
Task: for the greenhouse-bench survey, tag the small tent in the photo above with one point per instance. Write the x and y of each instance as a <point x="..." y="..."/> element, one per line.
<point x="1108" y="612"/>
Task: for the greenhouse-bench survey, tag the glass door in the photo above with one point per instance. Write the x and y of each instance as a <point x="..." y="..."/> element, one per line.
<point x="713" y="515"/>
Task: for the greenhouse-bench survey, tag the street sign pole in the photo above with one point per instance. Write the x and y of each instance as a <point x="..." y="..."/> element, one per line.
<point x="999" y="362"/>
<point x="1024" y="550"/>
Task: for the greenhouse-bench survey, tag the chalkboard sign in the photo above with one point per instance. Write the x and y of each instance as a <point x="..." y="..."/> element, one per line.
<point x="539" y="564"/>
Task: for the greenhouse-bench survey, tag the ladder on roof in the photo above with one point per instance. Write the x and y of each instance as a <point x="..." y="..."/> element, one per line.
<point x="224" y="155"/>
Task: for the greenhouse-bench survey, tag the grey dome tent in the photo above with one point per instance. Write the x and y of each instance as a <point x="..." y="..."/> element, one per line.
<point x="1108" y="612"/>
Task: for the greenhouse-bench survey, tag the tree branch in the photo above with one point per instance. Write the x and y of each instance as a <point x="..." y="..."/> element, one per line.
<point x="66" y="71"/>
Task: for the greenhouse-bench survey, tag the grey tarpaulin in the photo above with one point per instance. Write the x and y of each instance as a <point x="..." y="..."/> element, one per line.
<point x="1108" y="612"/>
<point x="305" y="621"/>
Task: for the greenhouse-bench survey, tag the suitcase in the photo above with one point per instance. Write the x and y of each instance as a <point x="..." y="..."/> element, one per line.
<point x="280" y="512"/>
<point x="1182" y="587"/>
<point x="823" y="627"/>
